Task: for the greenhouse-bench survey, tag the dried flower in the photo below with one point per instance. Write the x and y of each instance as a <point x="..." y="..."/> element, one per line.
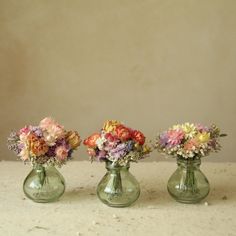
<point x="189" y="141"/>
<point x="117" y="143"/>
<point x="48" y="143"/>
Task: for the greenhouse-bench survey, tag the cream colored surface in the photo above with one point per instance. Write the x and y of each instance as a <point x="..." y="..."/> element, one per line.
<point x="80" y="213"/>
<point x="149" y="63"/>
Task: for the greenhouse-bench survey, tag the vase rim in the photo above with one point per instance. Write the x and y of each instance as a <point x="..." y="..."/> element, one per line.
<point x="189" y="161"/>
<point x="112" y="165"/>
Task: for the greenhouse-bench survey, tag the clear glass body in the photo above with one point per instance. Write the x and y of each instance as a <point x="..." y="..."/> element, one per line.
<point x="44" y="184"/>
<point x="118" y="188"/>
<point x="188" y="184"/>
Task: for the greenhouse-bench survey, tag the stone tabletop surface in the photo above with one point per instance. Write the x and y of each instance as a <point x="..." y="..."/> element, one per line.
<point x="79" y="212"/>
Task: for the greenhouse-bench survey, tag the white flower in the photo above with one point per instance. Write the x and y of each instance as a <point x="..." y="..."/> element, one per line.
<point x="100" y="142"/>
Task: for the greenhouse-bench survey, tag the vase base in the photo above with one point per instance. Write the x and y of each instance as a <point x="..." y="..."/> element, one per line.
<point x="188" y="201"/>
<point x="117" y="205"/>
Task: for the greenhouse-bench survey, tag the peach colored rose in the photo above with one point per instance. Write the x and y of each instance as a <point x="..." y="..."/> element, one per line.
<point x="73" y="138"/>
<point x="37" y="146"/>
<point x="56" y="131"/>
<point x="191" y="144"/>
<point x="24" y="154"/>
<point x="32" y="138"/>
<point x="138" y="137"/>
<point x="91" y="140"/>
<point x="123" y="133"/>
<point x="46" y="123"/>
<point x="51" y="130"/>
<point x="91" y="152"/>
<point x="61" y="152"/>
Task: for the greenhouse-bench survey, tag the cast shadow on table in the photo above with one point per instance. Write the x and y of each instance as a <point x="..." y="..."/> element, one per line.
<point x="79" y="194"/>
<point x="220" y="193"/>
<point x="153" y="198"/>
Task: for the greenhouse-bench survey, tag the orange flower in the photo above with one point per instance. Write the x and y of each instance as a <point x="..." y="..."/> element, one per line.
<point x="191" y="145"/>
<point x="138" y="137"/>
<point x="123" y="133"/>
<point x="37" y="146"/>
<point x="91" y="140"/>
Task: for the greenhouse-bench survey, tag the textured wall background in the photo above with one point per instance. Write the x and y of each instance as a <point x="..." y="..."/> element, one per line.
<point x="149" y="63"/>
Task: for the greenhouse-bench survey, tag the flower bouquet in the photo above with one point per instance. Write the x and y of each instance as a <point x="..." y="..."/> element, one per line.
<point x="44" y="146"/>
<point x="117" y="145"/>
<point x="189" y="143"/>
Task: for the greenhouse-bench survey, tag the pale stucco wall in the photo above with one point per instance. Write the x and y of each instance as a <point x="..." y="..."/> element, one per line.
<point x="149" y="63"/>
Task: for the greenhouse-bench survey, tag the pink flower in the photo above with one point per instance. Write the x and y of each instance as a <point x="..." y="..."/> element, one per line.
<point x="61" y="152"/>
<point x="191" y="145"/>
<point x="24" y="130"/>
<point x="56" y="131"/>
<point x="202" y="128"/>
<point x="46" y="123"/>
<point x="51" y="130"/>
<point x="175" y="137"/>
<point x="24" y="154"/>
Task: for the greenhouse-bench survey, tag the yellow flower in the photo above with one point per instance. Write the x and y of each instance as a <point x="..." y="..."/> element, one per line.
<point x="203" y="137"/>
<point x="146" y="149"/>
<point x="110" y="125"/>
<point x="189" y="129"/>
<point x="73" y="139"/>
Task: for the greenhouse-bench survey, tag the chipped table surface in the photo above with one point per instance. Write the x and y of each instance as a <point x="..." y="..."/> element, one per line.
<point x="79" y="212"/>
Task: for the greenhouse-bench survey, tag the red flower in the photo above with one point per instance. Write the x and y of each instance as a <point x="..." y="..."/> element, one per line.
<point x="123" y="133"/>
<point x="138" y="137"/>
<point x="91" y="140"/>
<point x="110" y="137"/>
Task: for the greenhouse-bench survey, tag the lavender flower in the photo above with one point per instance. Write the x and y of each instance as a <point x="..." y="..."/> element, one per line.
<point x="37" y="130"/>
<point x="101" y="155"/>
<point x="163" y="138"/>
<point x="12" y="143"/>
<point x="119" y="152"/>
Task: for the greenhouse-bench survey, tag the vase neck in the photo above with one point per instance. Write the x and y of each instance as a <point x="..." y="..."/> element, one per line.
<point x="39" y="167"/>
<point x="110" y="166"/>
<point x="188" y="163"/>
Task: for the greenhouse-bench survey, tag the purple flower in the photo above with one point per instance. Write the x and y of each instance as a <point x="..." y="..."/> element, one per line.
<point x="119" y="152"/>
<point x="51" y="151"/>
<point x="201" y="128"/>
<point x="37" y="131"/>
<point x="129" y="145"/>
<point x="101" y="155"/>
<point x="163" y="139"/>
<point x="12" y="143"/>
<point x="109" y="145"/>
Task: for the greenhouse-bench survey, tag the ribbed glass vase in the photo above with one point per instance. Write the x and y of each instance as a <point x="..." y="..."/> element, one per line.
<point x="44" y="184"/>
<point x="118" y="188"/>
<point x="188" y="184"/>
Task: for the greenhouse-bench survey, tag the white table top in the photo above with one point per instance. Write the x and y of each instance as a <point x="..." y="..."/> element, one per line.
<point x="79" y="211"/>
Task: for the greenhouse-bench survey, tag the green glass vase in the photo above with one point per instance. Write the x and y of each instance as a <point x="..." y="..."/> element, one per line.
<point x="188" y="184"/>
<point x="118" y="188"/>
<point x="44" y="184"/>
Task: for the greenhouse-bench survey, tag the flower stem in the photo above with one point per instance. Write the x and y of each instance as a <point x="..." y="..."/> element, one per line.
<point x="41" y="174"/>
<point x="114" y="185"/>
